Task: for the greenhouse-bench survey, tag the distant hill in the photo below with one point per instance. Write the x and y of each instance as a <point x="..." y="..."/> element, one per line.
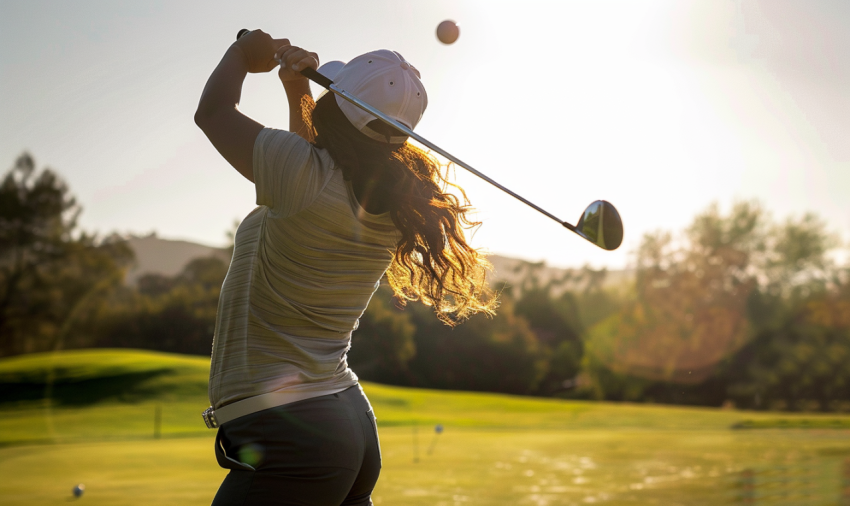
<point x="167" y="257"/>
<point x="514" y="272"/>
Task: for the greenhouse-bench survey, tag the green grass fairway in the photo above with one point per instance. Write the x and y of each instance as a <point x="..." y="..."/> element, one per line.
<point x="98" y="429"/>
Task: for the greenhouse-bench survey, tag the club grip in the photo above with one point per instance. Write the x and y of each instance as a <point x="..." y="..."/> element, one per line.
<point x="309" y="73"/>
<point x="317" y="78"/>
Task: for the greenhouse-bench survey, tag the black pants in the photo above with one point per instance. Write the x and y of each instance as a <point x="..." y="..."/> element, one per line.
<point x="322" y="451"/>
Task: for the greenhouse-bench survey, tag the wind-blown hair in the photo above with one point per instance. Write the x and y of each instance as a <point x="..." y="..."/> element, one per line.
<point x="432" y="262"/>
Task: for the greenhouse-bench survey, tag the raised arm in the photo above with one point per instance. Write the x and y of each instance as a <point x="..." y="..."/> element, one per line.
<point x="292" y="60"/>
<point x="231" y="132"/>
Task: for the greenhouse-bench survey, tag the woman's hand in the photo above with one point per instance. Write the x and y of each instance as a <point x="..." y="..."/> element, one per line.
<point x="293" y="60"/>
<point x="260" y="50"/>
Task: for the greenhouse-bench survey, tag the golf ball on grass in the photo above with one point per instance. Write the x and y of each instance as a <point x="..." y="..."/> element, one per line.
<point x="448" y="32"/>
<point x="79" y="490"/>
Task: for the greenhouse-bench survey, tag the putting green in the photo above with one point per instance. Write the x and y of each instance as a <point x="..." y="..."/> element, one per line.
<point x="99" y="429"/>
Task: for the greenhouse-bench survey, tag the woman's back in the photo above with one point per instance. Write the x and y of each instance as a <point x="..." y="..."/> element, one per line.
<point x="305" y="265"/>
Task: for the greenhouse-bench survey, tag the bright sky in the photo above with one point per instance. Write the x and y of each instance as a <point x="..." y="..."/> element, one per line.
<point x="660" y="107"/>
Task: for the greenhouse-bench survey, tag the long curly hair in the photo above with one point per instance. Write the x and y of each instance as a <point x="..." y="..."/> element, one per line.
<point x="432" y="262"/>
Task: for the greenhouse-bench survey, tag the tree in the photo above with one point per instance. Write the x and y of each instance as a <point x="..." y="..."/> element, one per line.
<point x="48" y="275"/>
<point x="175" y="314"/>
<point x="555" y="323"/>
<point x="690" y="311"/>
<point x="798" y="356"/>
<point x="802" y="363"/>
<point x="738" y="308"/>
<point x="498" y="354"/>
<point x="382" y="346"/>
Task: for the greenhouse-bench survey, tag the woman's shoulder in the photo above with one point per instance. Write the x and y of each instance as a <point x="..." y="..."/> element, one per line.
<point x="283" y="146"/>
<point x="273" y="137"/>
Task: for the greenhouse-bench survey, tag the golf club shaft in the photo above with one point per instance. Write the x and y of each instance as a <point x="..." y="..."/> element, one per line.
<point x="328" y="84"/>
<point x="310" y="74"/>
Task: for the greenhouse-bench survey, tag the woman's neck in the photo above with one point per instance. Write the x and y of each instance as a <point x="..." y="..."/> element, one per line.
<point x="370" y="196"/>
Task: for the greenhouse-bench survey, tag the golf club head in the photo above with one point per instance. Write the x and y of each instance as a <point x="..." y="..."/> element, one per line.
<point x="601" y="224"/>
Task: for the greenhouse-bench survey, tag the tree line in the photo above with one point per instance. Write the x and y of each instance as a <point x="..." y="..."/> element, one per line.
<point x="736" y="309"/>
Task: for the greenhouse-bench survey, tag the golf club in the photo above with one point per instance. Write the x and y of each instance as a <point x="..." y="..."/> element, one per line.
<point x="600" y="223"/>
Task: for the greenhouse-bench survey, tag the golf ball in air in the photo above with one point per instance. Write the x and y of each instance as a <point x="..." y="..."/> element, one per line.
<point x="448" y="32"/>
<point x="78" y="490"/>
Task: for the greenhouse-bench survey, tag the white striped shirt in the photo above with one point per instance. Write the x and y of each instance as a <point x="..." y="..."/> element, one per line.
<point x="305" y="265"/>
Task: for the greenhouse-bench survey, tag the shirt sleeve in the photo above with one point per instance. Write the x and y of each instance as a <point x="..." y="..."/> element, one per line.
<point x="289" y="173"/>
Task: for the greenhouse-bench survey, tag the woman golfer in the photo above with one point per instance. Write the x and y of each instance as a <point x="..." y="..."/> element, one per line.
<point x="342" y="199"/>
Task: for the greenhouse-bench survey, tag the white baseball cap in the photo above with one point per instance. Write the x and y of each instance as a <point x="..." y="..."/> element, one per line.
<point x="384" y="80"/>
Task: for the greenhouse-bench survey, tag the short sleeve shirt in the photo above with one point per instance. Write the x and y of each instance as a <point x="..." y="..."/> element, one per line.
<point x="305" y="264"/>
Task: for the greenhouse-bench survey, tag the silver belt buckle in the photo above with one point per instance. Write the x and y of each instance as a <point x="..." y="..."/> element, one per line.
<point x="209" y="418"/>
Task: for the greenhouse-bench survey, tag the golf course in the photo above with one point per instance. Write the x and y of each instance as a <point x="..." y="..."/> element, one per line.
<point x="126" y="424"/>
